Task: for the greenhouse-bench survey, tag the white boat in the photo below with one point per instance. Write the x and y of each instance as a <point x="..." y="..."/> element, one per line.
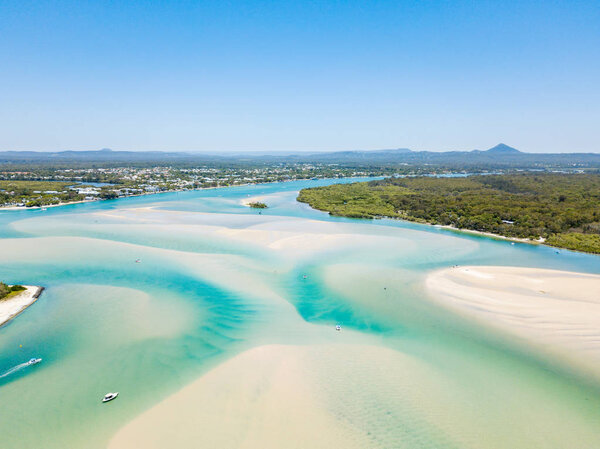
<point x="34" y="361"/>
<point x="110" y="396"/>
<point x="338" y="327"/>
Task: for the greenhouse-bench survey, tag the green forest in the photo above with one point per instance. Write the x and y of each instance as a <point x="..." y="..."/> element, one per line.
<point x="564" y="209"/>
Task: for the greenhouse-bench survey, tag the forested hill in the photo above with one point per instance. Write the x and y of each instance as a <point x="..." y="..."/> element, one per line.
<point x="564" y="209"/>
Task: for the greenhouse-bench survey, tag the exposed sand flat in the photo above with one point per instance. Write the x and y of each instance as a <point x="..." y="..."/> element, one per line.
<point x="556" y="310"/>
<point x="351" y="396"/>
<point x="253" y="199"/>
<point x="297" y="244"/>
<point x="11" y="307"/>
<point x="259" y="399"/>
<point x="293" y="238"/>
<point x="278" y="396"/>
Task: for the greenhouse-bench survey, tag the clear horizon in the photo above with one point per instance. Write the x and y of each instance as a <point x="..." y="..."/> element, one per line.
<point x="262" y="76"/>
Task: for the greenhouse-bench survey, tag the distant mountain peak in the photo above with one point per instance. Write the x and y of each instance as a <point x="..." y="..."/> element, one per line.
<point x="503" y="149"/>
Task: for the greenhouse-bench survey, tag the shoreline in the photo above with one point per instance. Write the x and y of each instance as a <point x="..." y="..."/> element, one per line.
<point x="555" y="312"/>
<point x="17" y="304"/>
<point x="14" y="208"/>
<point x="540" y="241"/>
<point x="40" y="207"/>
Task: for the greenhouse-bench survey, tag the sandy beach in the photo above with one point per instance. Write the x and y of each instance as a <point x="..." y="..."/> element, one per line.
<point x="538" y="241"/>
<point x="13" y="306"/>
<point x="556" y="311"/>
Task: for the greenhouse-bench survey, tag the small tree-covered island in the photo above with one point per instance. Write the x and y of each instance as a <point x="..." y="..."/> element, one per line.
<point x="563" y="210"/>
<point x="257" y="205"/>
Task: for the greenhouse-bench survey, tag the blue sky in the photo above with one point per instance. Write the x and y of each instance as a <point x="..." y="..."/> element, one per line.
<point x="299" y="75"/>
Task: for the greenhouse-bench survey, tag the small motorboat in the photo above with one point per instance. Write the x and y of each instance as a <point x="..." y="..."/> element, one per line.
<point x="110" y="396"/>
<point x="304" y="277"/>
<point x="138" y="260"/>
<point x="338" y="327"/>
<point x="34" y="361"/>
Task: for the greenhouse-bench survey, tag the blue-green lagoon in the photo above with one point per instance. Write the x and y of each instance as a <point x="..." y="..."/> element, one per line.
<point x="223" y="334"/>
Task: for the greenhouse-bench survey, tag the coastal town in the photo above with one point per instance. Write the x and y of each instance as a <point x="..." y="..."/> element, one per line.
<point x="41" y="187"/>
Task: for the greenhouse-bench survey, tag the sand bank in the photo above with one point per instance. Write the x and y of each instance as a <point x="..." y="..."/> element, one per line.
<point x="11" y="307"/>
<point x="254" y="199"/>
<point x="352" y="396"/>
<point x="279" y="396"/>
<point x="558" y="311"/>
<point x="292" y="238"/>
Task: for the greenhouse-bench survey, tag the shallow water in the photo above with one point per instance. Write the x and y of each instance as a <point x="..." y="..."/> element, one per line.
<point x="216" y="278"/>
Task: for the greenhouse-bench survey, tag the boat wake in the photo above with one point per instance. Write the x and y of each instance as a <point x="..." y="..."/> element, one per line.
<point x="14" y="369"/>
<point x="19" y="367"/>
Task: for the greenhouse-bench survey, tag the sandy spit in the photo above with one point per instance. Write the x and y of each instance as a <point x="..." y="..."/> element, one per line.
<point x="13" y="306"/>
<point x="557" y="311"/>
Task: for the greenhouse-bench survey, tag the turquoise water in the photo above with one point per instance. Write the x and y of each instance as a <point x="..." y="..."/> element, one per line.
<point x="208" y="288"/>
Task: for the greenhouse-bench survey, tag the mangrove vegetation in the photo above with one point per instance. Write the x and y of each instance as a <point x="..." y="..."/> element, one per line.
<point x="563" y="209"/>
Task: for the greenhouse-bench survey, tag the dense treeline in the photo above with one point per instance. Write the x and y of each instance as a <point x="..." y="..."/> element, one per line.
<point x="562" y="208"/>
<point x="257" y="205"/>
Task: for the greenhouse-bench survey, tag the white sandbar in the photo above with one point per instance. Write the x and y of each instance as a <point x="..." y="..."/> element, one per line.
<point x="11" y="307"/>
<point x="558" y="311"/>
